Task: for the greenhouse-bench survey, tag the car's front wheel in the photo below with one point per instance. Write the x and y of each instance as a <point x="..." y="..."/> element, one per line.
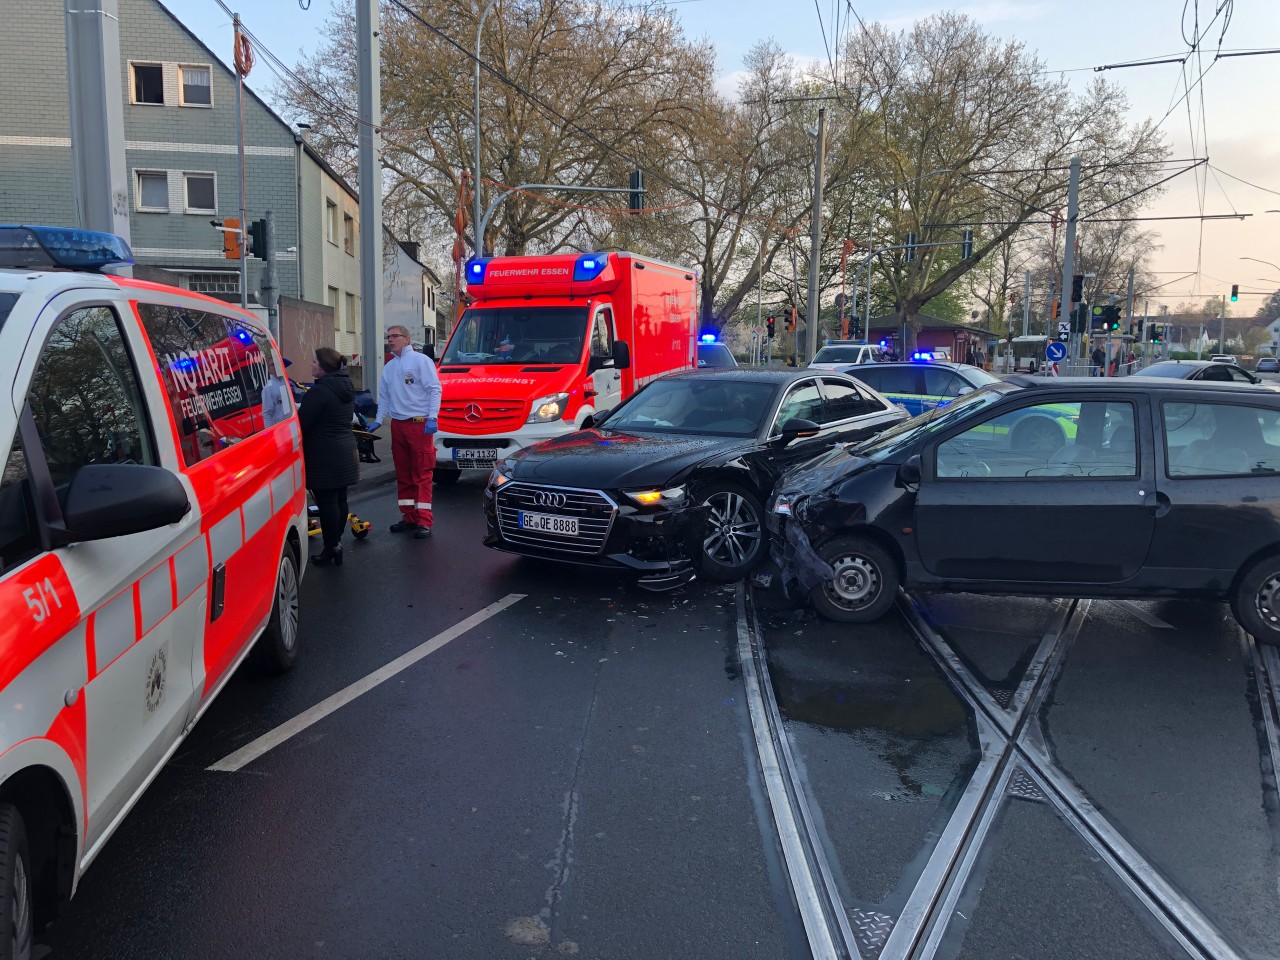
<point x="1256" y="602"/>
<point x="734" y="538"/>
<point x="865" y="582"/>
<point x="277" y="648"/>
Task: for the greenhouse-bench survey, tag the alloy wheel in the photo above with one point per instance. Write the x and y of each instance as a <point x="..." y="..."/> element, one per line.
<point x="733" y="529"/>
<point x="287" y="602"/>
<point x="20" y="910"/>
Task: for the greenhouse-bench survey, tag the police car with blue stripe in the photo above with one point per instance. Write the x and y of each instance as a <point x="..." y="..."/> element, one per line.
<point x="921" y="384"/>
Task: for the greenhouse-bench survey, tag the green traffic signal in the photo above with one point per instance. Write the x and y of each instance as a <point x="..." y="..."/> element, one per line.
<point x="1235" y="292"/>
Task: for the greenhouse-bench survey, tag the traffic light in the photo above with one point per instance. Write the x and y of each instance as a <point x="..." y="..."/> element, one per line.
<point x="1077" y="288"/>
<point x="258" y="239"/>
<point x="791" y="320"/>
<point x="635" y="200"/>
<point x="230" y="238"/>
<point x="1055" y="311"/>
<point x="966" y="244"/>
<point x="1157" y="333"/>
<point x="1111" y="316"/>
<point x="1235" y="292"/>
<point x="769" y="326"/>
<point x="855" y="328"/>
<point x="911" y="247"/>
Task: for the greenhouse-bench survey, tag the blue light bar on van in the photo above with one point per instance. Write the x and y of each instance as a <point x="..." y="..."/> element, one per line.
<point x="44" y="247"/>
<point x="922" y="357"/>
<point x="476" y="268"/>
<point x="708" y="338"/>
<point x="589" y="266"/>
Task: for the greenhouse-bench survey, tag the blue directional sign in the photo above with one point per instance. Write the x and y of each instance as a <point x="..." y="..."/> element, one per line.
<point x="1055" y="352"/>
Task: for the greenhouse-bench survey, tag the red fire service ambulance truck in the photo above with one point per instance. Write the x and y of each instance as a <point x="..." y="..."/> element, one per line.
<point x="548" y="341"/>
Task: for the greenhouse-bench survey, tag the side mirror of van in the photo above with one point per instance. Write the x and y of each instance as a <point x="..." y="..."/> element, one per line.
<point x="116" y="499"/>
<point x="621" y="354"/>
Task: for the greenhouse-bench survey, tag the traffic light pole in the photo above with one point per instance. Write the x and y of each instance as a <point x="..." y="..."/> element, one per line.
<point x="1069" y="255"/>
<point x="815" y="239"/>
<point x="244" y="220"/>
<point x="269" y="291"/>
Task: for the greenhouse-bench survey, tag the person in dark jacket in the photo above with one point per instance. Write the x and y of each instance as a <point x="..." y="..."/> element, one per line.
<point x="329" y="447"/>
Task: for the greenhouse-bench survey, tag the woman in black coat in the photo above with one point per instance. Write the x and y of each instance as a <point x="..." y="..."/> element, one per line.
<point x="329" y="447"/>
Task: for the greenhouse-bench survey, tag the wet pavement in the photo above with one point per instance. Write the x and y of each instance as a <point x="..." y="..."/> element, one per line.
<point x="577" y="774"/>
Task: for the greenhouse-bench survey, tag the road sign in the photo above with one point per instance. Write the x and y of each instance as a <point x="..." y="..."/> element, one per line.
<point x="1064" y="326"/>
<point x="1055" y="352"/>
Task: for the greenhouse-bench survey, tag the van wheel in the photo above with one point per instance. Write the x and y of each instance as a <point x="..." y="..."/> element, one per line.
<point x="865" y="582"/>
<point x="277" y="648"/>
<point x="734" y="539"/>
<point x="1256" y="602"/>
<point x="17" y="913"/>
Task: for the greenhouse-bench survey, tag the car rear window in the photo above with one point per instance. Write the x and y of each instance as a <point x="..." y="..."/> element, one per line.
<point x="847" y="354"/>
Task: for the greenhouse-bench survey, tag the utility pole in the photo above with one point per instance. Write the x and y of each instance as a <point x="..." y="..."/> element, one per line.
<point x="1222" y="337"/>
<point x="370" y="189"/>
<point x="815" y="238"/>
<point x="1069" y="253"/>
<point x="270" y="293"/>
<point x="1129" y="308"/>
<point x="96" y="101"/>
<point x="1026" y="307"/>
<point x="795" y="296"/>
<point x="244" y="220"/>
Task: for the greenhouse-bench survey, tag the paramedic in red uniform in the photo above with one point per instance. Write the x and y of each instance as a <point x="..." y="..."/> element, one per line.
<point x="409" y="392"/>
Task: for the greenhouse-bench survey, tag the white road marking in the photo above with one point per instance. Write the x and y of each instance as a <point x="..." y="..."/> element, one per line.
<point x="273" y="738"/>
<point x="1150" y="619"/>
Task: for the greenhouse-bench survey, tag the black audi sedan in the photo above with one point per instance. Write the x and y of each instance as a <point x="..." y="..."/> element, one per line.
<point x="672" y="483"/>
<point x="1151" y="488"/>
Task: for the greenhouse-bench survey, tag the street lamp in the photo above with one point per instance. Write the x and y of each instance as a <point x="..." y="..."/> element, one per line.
<point x="478" y="242"/>
<point x="1256" y="260"/>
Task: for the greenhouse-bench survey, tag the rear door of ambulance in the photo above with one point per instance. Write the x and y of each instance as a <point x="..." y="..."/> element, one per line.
<point x="124" y="614"/>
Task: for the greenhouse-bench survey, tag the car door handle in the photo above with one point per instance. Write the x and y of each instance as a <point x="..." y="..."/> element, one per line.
<point x="1163" y="505"/>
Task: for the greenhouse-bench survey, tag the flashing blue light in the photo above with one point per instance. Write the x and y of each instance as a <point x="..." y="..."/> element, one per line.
<point x="884" y="343"/>
<point x="244" y="337"/>
<point x="476" y="269"/>
<point x="920" y="357"/>
<point x="185" y="364"/>
<point x="589" y="266"/>
<point x="44" y="247"/>
<point x="708" y="338"/>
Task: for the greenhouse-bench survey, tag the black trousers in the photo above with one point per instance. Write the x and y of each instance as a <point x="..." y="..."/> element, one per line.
<point x="332" y="507"/>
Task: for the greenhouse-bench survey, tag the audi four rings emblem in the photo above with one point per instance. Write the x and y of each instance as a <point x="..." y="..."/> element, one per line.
<point x="547" y="498"/>
<point x="472" y="412"/>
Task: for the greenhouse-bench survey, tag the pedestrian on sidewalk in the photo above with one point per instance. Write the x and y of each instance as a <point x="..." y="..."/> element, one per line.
<point x="329" y="447"/>
<point x="409" y="393"/>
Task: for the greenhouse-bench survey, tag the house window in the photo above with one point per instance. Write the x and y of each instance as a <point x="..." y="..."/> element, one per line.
<point x="332" y="300"/>
<point x="348" y="234"/>
<point x="197" y="89"/>
<point x="202" y="193"/>
<point x="152" y="191"/>
<point x="351" y="313"/>
<point x="331" y="223"/>
<point x="148" y="83"/>
<point x="214" y="284"/>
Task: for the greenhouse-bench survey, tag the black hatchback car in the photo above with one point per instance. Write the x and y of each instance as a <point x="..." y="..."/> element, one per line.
<point x="1149" y="488"/>
<point x="673" y="482"/>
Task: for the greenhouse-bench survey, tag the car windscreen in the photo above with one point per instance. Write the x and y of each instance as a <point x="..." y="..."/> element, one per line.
<point x="518" y="335"/>
<point x="714" y="407"/>
<point x="7" y="300"/>
<point x="838" y="354"/>
<point x="909" y="431"/>
<point x="1176" y="371"/>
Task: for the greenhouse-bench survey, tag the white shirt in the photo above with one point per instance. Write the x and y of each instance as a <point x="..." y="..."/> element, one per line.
<point x="409" y="387"/>
<point x="274" y="405"/>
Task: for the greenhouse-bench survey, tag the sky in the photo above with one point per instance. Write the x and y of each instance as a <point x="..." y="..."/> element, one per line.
<point x="1239" y="97"/>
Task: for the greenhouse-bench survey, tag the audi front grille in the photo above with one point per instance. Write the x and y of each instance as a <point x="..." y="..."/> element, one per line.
<point x="594" y="510"/>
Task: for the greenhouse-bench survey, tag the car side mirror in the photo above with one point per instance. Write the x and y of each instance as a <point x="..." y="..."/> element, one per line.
<point x="117" y="499"/>
<point x="909" y="472"/>
<point x="964" y="390"/>
<point x="621" y="354"/>
<point x="797" y="429"/>
<point x="594" y="420"/>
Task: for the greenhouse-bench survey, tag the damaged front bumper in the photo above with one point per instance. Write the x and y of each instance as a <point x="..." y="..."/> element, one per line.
<point x="800" y="568"/>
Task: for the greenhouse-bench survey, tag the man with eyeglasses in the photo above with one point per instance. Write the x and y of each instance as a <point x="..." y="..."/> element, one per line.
<point x="409" y="392"/>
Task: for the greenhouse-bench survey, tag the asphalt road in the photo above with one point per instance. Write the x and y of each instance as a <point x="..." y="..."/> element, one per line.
<point x="575" y="773"/>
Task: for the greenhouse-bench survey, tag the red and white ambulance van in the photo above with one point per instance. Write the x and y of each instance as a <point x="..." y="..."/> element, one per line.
<point x="151" y="535"/>
<point x="549" y="341"/>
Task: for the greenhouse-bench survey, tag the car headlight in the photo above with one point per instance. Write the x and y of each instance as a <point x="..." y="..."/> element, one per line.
<point x="781" y="505"/>
<point x="500" y="474"/>
<point x="648" y="498"/>
<point x="546" y="409"/>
